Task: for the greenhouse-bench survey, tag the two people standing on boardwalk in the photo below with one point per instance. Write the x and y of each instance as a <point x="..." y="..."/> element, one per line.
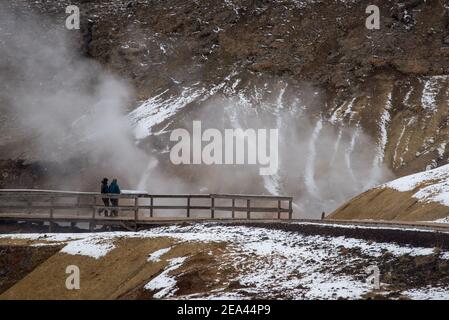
<point x="113" y="188"/>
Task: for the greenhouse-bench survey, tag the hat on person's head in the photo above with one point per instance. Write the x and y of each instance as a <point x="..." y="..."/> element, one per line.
<point x="105" y="180"/>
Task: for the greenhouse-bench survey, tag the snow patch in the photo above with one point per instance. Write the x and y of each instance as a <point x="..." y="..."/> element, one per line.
<point x="155" y="256"/>
<point x="164" y="283"/>
<point x="95" y="247"/>
<point x="428" y="293"/>
<point x="443" y="220"/>
<point x="160" y="108"/>
<point x="432" y="86"/>
<point x="430" y="186"/>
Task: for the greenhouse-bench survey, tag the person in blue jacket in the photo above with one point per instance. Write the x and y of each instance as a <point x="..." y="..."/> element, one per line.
<point x="114" y="189"/>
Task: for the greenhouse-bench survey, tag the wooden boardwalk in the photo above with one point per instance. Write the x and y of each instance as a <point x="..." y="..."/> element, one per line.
<point x="138" y="208"/>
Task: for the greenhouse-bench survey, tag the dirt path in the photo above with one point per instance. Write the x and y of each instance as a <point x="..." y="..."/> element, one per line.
<point x="426" y="239"/>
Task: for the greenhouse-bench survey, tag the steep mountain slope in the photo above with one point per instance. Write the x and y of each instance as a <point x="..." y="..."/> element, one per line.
<point x="422" y="196"/>
<point x="355" y="106"/>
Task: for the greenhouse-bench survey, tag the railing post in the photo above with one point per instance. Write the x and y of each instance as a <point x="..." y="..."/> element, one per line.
<point x="78" y="203"/>
<point x="92" y="224"/>
<point x="279" y="209"/>
<point x="233" y="208"/>
<point x="188" y="206"/>
<point x="248" y="209"/>
<point x="290" y="209"/>
<point x="50" y="225"/>
<point x="136" y="210"/>
<point x="151" y="206"/>
<point x="212" y="207"/>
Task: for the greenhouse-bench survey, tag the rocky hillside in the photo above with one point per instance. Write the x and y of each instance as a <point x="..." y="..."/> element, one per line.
<point x="356" y="107"/>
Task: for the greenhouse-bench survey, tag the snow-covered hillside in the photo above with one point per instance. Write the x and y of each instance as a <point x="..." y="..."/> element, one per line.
<point x="427" y="186"/>
<point x="228" y="262"/>
<point x="423" y="196"/>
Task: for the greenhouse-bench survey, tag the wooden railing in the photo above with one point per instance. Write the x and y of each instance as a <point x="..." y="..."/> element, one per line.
<point x="51" y="206"/>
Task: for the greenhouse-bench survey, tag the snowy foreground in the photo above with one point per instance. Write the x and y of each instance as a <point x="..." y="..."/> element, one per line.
<point x="269" y="263"/>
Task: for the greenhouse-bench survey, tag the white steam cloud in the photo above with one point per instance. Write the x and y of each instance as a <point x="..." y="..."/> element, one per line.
<point x="321" y="164"/>
<point x="67" y="106"/>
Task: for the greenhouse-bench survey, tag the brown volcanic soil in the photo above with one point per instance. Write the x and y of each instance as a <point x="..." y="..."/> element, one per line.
<point x="115" y="276"/>
<point x="123" y="273"/>
<point x="17" y="261"/>
<point x="197" y="275"/>
<point x="39" y="272"/>
<point x="389" y="204"/>
<point x="325" y="43"/>
<point x="401" y="273"/>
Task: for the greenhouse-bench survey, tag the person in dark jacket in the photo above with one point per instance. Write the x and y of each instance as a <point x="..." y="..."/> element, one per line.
<point x="104" y="190"/>
<point x="114" y="189"/>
